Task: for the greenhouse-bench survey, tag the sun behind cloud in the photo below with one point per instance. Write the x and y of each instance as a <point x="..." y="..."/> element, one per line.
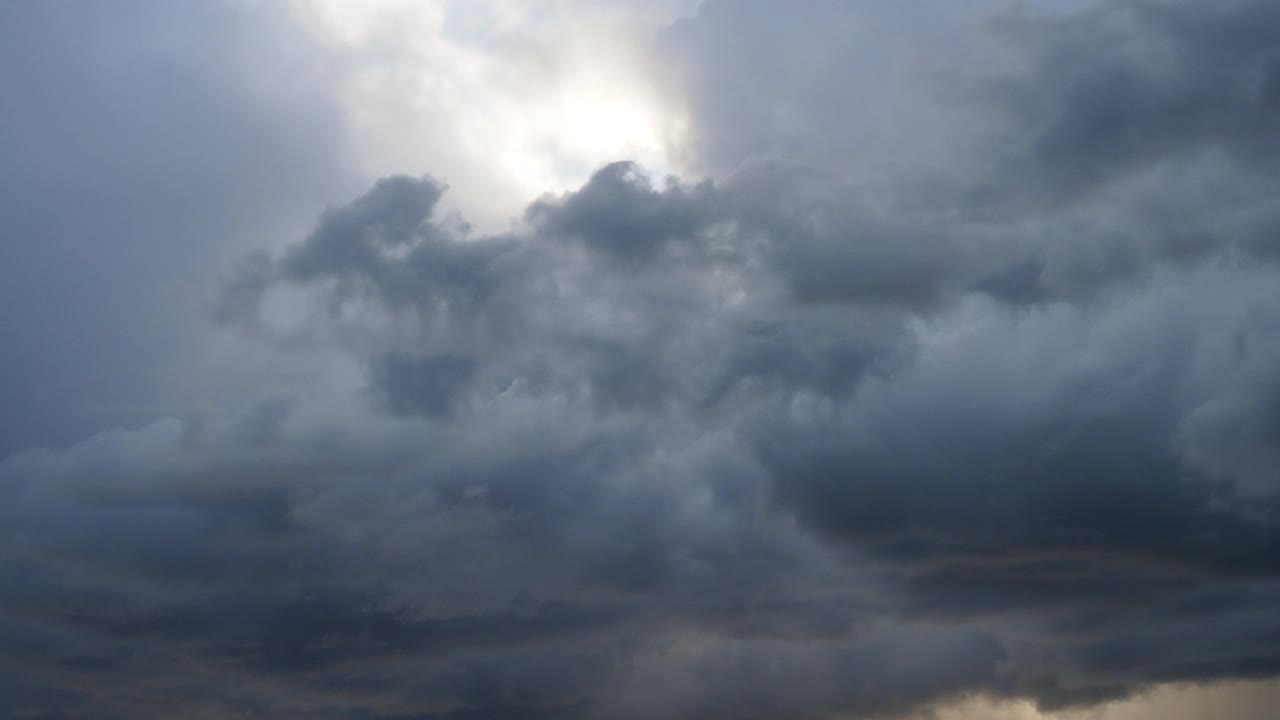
<point x="515" y="99"/>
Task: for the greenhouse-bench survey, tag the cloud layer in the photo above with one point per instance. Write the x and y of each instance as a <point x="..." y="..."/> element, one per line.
<point x="807" y="439"/>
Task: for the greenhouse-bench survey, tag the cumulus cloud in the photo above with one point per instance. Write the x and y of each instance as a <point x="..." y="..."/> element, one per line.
<point x="796" y="440"/>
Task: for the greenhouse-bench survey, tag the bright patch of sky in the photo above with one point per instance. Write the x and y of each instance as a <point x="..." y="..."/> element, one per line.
<point x="503" y="100"/>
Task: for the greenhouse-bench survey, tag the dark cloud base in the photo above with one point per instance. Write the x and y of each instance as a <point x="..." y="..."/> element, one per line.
<point x="751" y="448"/>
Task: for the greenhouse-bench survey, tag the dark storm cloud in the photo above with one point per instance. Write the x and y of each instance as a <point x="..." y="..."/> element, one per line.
<point x="381" y="246"/>
<point x="1140" y="84"/>
<point x="426" y="385"/>
<point x="620" y="214"/>
<point x="795" y="442"/>
<point x="1142" y="130"/>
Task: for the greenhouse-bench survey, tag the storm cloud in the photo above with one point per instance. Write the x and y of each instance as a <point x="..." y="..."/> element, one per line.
<point x="957" y="382"/>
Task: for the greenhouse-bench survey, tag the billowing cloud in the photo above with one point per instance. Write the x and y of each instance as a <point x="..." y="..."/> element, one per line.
<point x="797" y="440"/>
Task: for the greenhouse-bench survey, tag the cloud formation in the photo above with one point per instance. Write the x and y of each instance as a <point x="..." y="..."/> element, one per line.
<point x="795" y="441"/>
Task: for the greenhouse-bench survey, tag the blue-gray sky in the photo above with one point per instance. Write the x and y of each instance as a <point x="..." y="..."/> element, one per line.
<point x="635" y="360"/>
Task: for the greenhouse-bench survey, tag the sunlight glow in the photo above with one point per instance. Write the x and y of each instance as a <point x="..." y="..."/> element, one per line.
<point x="1232" y="700"/>
<point x="591" y="118"/>
<point x="516" y="109"/>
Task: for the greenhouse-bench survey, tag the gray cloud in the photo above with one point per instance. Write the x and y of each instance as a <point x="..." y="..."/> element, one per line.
<point x="427" y="385"/>
<point x="143" y="143"/>
<point x="789" y="442"/>
<point x="619" y="213"/>
<point x="1139" y="84"/>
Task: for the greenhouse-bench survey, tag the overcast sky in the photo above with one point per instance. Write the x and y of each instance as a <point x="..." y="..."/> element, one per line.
<point x="636" y="359"/>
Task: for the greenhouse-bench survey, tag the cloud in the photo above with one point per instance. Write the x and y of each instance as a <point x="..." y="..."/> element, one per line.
<point x="796" y="440"/>
<point x="428" y="385"/>
<point x="619" y="213"/>
<point x="1178" y="80"/>
<point x="145" y="144"/>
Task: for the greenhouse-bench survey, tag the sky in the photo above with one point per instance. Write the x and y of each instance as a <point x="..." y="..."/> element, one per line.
<point x="635" y="360"/>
